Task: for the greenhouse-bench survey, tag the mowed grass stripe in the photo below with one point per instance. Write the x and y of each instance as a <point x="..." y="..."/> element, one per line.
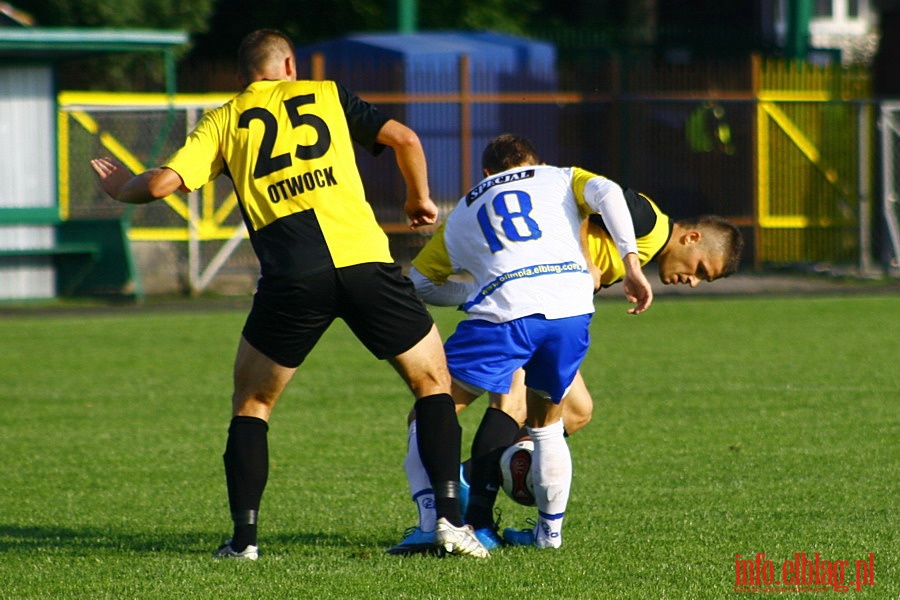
<point x="721" y="427"/>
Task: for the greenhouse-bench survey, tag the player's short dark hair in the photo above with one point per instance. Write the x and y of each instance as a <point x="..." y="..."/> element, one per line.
<point x="507" y="151"/>
<point x="727" y="239"/>
<point x="258" y="47"/>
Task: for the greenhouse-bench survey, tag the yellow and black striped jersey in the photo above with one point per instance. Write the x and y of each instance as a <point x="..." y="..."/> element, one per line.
<point x="652" y="229"/>
<point x="288" y="148"/>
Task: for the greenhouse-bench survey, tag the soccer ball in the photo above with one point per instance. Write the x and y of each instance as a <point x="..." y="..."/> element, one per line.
<point x="515" y="472"/>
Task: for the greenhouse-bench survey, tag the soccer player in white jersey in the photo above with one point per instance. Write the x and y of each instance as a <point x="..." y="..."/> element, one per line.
<point x="516" y="234"/>
<point x="687" y="251"/>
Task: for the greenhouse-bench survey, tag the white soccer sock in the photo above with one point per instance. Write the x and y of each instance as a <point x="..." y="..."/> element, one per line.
<point x="551" y="470"/>
<point x="419" y="483"/>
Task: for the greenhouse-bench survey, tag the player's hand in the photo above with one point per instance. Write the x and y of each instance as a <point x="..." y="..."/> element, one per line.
<point x="637" y="289"/>
<point x="112" y="173"/>
<point x="420" y="212"/>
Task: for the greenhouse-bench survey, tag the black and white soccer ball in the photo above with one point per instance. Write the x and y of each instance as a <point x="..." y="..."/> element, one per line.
<point x="515" y="472"/>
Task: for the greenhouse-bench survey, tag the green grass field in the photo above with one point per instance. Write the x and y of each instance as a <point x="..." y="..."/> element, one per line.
<point x="722" y="426"/>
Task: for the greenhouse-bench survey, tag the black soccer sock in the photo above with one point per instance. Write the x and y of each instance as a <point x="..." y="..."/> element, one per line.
<point x="246" y="472"/>
<point x="495" y="434"/>
<point x="439" y="438"/>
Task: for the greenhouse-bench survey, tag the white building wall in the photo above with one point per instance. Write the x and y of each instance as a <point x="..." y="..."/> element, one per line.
<point x="27" y="177"/>
<point x="27" y="126"/>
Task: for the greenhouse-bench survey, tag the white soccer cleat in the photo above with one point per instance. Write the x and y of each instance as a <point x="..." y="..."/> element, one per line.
<point x="251" y="552"/>
<point x="458" y="540"/>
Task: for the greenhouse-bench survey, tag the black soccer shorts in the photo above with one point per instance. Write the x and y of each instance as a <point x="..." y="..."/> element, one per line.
<point x="376" y="300"/>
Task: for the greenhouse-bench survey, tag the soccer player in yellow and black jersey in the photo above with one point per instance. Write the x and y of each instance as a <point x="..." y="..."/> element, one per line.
<point x="687" y="251"/>
<point x="287" y="146"/>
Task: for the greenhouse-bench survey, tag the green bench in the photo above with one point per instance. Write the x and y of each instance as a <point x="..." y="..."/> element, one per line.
<point x="72" y="262"/>
<point x="92" y="258"/>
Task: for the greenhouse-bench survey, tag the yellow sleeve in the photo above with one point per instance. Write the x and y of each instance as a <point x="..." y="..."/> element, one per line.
<point x="580" y="177"/>
<point x="199" y="160"/>
<point x="432" y="261"/>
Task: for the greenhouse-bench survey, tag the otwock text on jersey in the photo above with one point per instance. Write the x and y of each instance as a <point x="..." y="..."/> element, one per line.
<point x="296" y="185"/>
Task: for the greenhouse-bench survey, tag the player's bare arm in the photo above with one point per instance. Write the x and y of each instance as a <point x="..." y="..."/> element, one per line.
<point x="121" y="184"/>
<point x="637" y="288"/>
<point x="419" y="207"/>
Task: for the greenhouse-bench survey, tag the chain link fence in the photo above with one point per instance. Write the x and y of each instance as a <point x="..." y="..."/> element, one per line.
<point x="791" y="164"/>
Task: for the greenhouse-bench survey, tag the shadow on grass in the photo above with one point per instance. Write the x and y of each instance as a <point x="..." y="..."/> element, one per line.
<point x="90" y="541"/>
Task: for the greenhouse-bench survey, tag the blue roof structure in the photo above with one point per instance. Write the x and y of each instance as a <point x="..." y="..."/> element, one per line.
<point x="427" y="59"/>
<point x="429" y="63"/>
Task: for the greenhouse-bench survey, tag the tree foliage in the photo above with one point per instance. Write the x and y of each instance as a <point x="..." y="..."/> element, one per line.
<point x="139" y="14"/>
<point x="508" y="16"/>
<point x="308" y="21"/>
<point x="119" y="72"/>
<point x="304" y="21"/>
<point x="217" y="26"/>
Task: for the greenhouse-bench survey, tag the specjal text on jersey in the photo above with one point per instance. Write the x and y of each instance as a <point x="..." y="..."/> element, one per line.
<point x="487" y="184"/>
<point x="296" y="185"/>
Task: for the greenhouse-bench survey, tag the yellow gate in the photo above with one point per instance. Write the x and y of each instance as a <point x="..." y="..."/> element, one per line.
<point x="811" y="128"/>
<point x="141" y="130"/>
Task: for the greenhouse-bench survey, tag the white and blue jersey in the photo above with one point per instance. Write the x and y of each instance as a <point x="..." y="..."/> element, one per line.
<point x="516" y="234"/>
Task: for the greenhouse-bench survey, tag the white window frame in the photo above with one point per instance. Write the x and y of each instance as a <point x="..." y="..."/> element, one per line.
<point x="839" y="23"/>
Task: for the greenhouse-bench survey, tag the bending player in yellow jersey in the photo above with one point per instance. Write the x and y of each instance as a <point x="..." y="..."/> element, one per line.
<point x="687" y="251"/>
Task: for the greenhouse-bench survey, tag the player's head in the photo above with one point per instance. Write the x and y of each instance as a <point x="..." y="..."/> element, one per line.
<point x="700" y="249"/>
<point x="266" y="54"/>
<point x="508" y="151"/>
